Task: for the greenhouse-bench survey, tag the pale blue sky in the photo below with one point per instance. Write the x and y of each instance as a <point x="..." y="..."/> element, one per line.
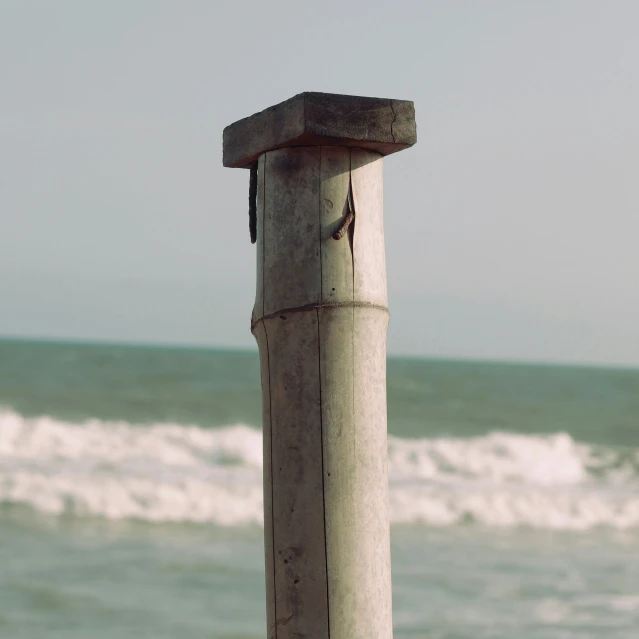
<point x="512" y="227"/>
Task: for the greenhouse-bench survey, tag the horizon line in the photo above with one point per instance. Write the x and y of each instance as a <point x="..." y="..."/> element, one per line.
<point x="458" y="359"/>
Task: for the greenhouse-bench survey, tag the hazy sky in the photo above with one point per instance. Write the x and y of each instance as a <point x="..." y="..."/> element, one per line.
<point x="512" y="227"/>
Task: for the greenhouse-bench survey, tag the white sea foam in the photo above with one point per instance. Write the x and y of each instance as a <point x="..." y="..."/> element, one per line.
<point x="173" y="472"/>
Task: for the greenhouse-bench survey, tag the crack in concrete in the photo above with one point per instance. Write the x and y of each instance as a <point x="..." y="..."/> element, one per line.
<point x="394" y="120"/>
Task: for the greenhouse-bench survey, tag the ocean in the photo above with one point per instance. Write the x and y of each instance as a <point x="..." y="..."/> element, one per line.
<point x="131" y="496"/>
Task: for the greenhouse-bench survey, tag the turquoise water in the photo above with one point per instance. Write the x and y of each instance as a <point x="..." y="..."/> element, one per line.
<point x="130" y="496"/>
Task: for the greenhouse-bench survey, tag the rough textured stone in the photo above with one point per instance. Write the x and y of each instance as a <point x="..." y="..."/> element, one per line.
<point x="317" y="119"/>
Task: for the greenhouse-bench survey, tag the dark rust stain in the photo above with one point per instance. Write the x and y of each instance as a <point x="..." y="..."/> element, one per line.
<point x="253" y="203"/>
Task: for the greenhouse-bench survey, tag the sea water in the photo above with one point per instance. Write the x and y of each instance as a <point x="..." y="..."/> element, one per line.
<point x="131" y="496"/>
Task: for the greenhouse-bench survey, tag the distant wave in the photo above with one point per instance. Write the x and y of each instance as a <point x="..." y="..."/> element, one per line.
<point x="182" y="473"/>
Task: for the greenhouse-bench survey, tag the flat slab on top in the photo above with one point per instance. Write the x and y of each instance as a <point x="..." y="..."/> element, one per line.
<point x="317" y="119"/>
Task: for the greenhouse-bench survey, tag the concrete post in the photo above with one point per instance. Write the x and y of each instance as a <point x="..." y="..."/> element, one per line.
<point x="320" y="321"/>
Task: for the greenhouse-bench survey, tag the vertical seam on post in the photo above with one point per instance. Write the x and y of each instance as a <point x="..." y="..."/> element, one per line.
<point x="352" y="231"/>
<point x="319" y="222"/>
<point x="264" y="234"/>
<point x="319" y="366"/>
<point x="270" y="403"/>
<point x="270" y="418"/>
<point x="352" y="228"/>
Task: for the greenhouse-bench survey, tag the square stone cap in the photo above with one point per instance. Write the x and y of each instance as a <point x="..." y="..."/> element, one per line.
<point x="318" y="119"/>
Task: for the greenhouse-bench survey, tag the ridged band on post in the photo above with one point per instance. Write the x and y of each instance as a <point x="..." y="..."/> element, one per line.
<point x="320" y="320"/>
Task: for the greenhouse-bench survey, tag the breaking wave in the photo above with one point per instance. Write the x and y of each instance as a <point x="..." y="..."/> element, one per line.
<point x="182" y="473"/>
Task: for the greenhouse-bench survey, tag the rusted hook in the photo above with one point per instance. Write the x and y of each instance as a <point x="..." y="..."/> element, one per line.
<point x="349" y="217"/>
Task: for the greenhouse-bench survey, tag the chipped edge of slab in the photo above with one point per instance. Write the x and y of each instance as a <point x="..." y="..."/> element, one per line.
<point x="309" y="118"/>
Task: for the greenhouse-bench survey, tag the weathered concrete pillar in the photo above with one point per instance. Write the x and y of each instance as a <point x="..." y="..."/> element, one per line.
<point x="320" y="320"/>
